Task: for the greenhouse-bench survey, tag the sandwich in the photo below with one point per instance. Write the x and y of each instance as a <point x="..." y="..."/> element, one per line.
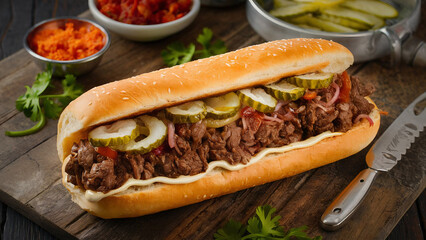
<point x="213" y="126"/>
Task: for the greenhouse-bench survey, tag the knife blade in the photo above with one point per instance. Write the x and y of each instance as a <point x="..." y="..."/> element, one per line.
<point x="382" y="157"/>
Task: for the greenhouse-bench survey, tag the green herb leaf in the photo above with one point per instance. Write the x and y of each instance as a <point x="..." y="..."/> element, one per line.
<point x="210" y="49"/>
<point x="71" y="89"/>
<point x="29" y="102"/>
<point x="232" y="230"/>
<point x="176" y="53"/>
<point x="262" y="226"/>
<point x="263" y="223"/>
<point x="51" y="109"/>
<point x="37" y="106"/>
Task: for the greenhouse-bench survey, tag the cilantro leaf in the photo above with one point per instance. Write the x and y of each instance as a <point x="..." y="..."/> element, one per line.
<point x="51" y="109"/>
<point x="71" y="89"/>
<point x="176" y="53"/>
<point x="29" y="102"/>
<point x="232" y="230"/>
<point x="210" y="49"/>
<point x="262" y="226"/>
<point x="37" y="106"/>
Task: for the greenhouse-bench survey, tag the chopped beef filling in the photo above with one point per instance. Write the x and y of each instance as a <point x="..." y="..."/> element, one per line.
<point x="237" y="142"/>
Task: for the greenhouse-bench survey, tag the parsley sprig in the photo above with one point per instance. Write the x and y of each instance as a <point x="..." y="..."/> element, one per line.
<point x="176" y="53"/>
<point x="38" y="107"/>
<point x="261" y="226"/>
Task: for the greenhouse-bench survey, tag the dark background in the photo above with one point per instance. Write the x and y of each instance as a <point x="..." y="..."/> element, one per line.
<point x="16" y="17"/>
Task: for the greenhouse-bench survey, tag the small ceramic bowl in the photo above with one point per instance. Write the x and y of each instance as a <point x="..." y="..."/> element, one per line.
<point x="145" y="33"/>
<point x="61" y="68"/>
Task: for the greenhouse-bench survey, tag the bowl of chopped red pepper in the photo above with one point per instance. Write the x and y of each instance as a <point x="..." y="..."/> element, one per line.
<point x="144" y="20"/>
<point x="70" y="45"/>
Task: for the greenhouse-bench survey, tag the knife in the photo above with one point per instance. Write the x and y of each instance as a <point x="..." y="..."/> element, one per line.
<point x="382" y="157"/>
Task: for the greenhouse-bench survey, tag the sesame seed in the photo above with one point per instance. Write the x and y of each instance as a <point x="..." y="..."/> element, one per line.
<point x="227" y="64"/>
<point x="162" y="75"/>
<point x="153" y="83"/>
<point x="143" y="83"/>
<point x="125" y="98"/>
<point x="90" y="103"/>
<point x="175" y="75"/>
<point x="107" y="93"/>
<point x="180" y="82"/>
<point x="169" y="90"/>
<point x="122" y="91"/>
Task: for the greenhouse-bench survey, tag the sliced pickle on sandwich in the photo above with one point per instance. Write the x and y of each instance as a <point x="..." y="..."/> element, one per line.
<point x="117" y="133"/>
<point x="312" y="80"/>
<point x="149" y="140"/>
<point x="258" y="99"/>
<point x="222" y="107"/>
<point x="190" y="112"/>
<point x="285" y="91"/>
<point x="217" y="123"/>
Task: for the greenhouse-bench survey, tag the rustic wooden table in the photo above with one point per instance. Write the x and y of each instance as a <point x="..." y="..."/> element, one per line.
<point x="29" y="166"/>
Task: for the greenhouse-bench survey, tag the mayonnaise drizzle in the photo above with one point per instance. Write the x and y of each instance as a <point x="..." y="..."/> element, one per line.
<point x="93" y="196"/>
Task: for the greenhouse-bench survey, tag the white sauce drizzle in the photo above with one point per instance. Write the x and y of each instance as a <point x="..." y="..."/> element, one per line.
<point x="94" y="196"/>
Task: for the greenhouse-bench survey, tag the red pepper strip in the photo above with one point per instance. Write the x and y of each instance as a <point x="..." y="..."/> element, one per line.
<point x="345" y="90"/>
<point x="309" y="95"/>
<point x="107" y="152"/>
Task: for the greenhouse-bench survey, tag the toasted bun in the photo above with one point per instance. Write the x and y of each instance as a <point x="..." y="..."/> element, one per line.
<point x="254" y="65"/>
<point x="136" y="202"/>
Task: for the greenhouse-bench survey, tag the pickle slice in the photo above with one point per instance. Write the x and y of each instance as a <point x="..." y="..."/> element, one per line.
<point x="293" y="10"/>
<point x="314" y="22"/>
<point x="156" y="136"/>
<point x="117" y="133"/>
<point x="190" y="112"/>
<point x="376" y="8"/>
<point x="258" y="99"/>
<point x="222" y="107"/>
<point x="344" y="22"/>
<point x="217" y="123"/>
<point x="285" y="91"/>
<point x="283" y="3"/>
<point x="312" y="80"/>
<point x="370" y="20"/>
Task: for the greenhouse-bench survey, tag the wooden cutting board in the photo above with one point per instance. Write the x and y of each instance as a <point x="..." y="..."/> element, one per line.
<point x="30" y="168"/>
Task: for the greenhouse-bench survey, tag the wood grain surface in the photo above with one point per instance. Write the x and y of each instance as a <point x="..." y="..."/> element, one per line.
<point x="30" y="168"/>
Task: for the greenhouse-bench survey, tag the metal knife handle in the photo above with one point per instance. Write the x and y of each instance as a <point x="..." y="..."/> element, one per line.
<point x="348" y="200"/>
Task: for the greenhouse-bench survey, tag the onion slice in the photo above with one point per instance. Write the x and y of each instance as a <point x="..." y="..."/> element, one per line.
<point x="274" y="119"/>
<point x="359" y="117"/>
<point x="280" y="104"/>
<point x="171" y="134"/>
<point x="335" y="96"/>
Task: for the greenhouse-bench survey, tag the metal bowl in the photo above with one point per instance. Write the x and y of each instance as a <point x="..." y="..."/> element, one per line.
<point x="61" y="68"/>
<point x="365" y="45"/>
